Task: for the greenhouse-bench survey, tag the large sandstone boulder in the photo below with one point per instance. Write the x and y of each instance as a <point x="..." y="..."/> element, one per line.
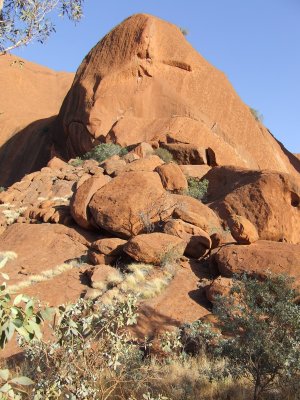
<point x="172" y="177"/>
<point x="269" y="200"/>
<point x="81" y="198"/>
<point x="198" y="241"/>
<point x="131" y="202"/>
<point x="242" y="230"/>
<point x="194" y="212"/>
<point x="187" y="154"/>
<point x="155" y="248"/>
<point x="144" y="82"/>
<point x="259" y="259"/>
<point x="109" y="246"/>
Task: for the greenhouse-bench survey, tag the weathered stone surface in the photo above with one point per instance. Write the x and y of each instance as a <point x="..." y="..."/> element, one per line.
<point x="109" y="246"/>
<point x="81" y="198"/>
<point x="219" y="287"/>
<point x="82" y="179"/>
<point x="96" y="258"/>
<point x="143" y="150"/>
<point x="194" y="212"/>
<point x="186" y="154"/>
<point x="99" y="274"/>
<point x="195" y="171"/>
<point x="144" y="164"/>
<point x="242" y="230"/>
<point x="198" y="241"/>
<point x="160" y="94"/>
<point x="155" y="248"/>
<point x="57" y="163"/>
<point x="130" y="157"/>
<point x="172" y="177"/>
<point x="259" y="258"/>
<point x="113" y="167"/>
<point x="30" y="97"/>
<point x="40" y="247"/>
<point x="269" y="200"/>
<point x="129" y="202"/>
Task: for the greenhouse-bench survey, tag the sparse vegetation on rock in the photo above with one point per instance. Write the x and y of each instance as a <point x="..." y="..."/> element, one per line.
<point x="256" y="114"/>
<point x="104" y="151"/>
<point x="164" y="154"/>
<point x="197" y="188"/>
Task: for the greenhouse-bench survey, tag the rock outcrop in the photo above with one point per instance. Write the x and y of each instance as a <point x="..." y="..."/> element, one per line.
<point x="30" y="97"/>
<point x="129" y="224"/>
<point x="130" y="203"/>
<point x="269" y="200"/>
<point x="144" y="82"/>
<point x="155" y="248"/>
<point x="259" y="259"/>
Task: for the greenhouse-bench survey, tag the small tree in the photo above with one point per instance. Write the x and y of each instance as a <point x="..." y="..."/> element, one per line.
<point x="262" y="327"/>
<point x="22" y="21"/>
<point x="256" y="114"/>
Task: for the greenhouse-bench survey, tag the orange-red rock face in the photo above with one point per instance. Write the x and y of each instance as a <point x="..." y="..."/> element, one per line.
<point x="144" y="82"/>
<point x="30" y="95"/>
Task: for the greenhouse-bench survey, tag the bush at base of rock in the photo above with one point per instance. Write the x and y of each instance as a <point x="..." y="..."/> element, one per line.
<point x="197" y="188"/>
<point x="259" y="259"/>
<point x="164" y="154"/>
<point x="104" y="151"/>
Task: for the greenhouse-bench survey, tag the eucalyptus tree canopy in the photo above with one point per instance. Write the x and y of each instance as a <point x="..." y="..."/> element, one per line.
<point x="24" y="21"/>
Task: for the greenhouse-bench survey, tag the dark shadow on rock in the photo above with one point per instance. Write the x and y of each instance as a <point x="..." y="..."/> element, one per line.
<point x="202" y="271"/>
<point x="151" y="323"/>
<point x="199" y="296"/>
<point x="292" y="158"/>
<point x="26" y="151"/>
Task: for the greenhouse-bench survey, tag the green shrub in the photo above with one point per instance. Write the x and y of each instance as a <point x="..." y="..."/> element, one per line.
<point x="104" y="151"/>
<point x="76" y="162"/>
<point x="197" y="188"/>
<point x="164" y="154"/>
<point x="16" y="316"/>
<point x="262" y="328"/>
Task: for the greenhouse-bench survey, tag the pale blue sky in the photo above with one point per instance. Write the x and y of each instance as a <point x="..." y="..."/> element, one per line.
<point x="255" y="42"/>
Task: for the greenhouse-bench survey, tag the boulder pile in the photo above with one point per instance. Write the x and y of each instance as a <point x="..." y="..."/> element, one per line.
<point x="130" y="222"/>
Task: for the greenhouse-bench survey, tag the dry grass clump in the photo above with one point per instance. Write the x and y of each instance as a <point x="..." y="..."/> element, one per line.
<point x="37" y="278"/>
<point x="143" y="280"/>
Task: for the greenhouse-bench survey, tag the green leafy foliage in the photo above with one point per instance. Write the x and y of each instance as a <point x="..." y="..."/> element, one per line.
<point x="164" y="154"/>
<point x="89" y="338"/>
<point x="76" y="162"/>
<point x="197" y="188"/>
<point x="262" y="325"/>
<point x="19" y="316"/>
<point x="22" y="21"/>
<point x="104" y="151"/>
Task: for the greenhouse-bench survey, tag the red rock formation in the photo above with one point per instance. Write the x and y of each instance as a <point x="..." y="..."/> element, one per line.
<point x="143" y="81"/>
<point x="30" y="95"/>
<point x="269" y="200"/>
